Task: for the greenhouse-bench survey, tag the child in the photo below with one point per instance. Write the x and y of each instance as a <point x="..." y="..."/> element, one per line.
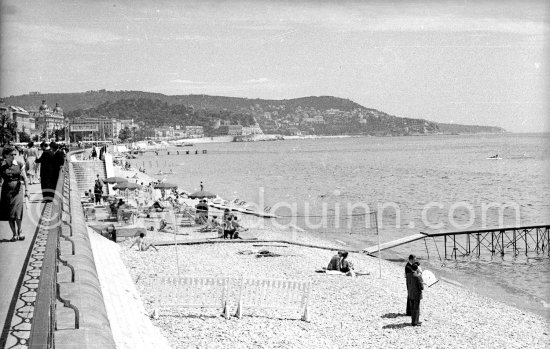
<point x="142" y="245"/>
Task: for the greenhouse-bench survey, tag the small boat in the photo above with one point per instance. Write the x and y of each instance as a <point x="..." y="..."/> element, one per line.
<point x="494" y="157"/>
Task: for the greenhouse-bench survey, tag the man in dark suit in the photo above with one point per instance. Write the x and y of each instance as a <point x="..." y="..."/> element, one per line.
<point x="408" y="270"/>
<point x="414" y="288"/>
<point x="48" y="172"/>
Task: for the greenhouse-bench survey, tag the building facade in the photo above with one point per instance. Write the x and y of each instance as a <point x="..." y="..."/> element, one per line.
<point x="194" y="131"/>
<point x="96" y="129"/>
<point x="46" y="119"/>
<point x="230" y="130"/>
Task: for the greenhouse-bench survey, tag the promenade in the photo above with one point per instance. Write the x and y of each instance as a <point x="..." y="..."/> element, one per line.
<point x="14" y="260"/>
<point x="21" y="265"/>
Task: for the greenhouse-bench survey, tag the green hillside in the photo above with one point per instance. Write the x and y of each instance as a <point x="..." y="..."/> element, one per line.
<point x="324" y="115"/>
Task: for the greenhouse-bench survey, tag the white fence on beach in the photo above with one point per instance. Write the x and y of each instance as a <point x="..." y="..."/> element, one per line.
<point x="172" y="293"/>
<point x="276" y="294"/>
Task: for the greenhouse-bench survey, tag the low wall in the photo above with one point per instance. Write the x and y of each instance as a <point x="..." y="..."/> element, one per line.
<point x="70" y="310"/>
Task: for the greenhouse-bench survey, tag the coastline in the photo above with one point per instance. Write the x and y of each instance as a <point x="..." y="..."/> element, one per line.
<point x="447" y="309"/>
<point x="493" y="290"/>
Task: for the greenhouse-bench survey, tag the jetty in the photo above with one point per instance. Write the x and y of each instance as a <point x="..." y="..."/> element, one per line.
<point x="394" y="243"/>
<point x="535" y="238"/>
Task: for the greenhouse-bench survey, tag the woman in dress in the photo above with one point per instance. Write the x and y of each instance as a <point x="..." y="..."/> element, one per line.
<point x="11" y="198"/>
<point x="30" y="156"/>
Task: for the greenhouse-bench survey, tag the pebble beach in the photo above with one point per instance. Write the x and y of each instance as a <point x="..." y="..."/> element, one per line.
<point x="365" y="311"/>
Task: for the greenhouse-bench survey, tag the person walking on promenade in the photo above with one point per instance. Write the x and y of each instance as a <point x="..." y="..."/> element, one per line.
<point x="58" y="158"/>
<point x="30" y="155"/>
<point x="415" y="285"/>
<point x="47" y="172"/>
<point x="94" y="153"/>
<point x="408" y="270"/>
<point x="11" y="196"/>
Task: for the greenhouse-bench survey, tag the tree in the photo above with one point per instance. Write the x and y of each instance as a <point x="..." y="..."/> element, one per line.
<point x="8" y="128"/>
<point x="59" y="134"/>
<point x="124" y="134"/>
<point x="24" y="137"/>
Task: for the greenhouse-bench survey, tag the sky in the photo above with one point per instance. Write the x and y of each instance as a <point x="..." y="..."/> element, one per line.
<point x="464" y="62"/>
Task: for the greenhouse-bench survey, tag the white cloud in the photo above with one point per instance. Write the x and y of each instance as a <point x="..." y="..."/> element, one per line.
<point x="257" y="81"/>
<point x="510" y="17"/>
<point x="48" y="33"/>
<point x="189" y="82"/>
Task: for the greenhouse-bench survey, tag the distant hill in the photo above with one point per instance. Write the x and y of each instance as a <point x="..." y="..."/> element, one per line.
<point x="324" y="115"/>
<point x="91" y="99"/>
<point x="453" y="129"/>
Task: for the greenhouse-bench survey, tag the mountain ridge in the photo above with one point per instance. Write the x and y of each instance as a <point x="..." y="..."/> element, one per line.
<point x="309" y="115"/>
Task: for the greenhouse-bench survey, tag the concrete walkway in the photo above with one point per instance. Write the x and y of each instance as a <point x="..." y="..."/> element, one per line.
<point x="129" y="321"/>
<point x="15" y="313"/>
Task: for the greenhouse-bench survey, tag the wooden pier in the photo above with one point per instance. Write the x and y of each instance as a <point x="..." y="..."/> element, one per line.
<point x="496" y="241"/>
<point x="394" y="243"/>
<point x="514" y="240"/>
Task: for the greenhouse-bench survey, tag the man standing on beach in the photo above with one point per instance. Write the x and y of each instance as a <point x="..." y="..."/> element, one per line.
<point x="408" y="270"/>
<point x="414" y="288"/>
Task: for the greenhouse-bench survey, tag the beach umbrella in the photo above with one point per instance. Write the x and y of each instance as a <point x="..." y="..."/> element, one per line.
<point x="202" y="194"/>
<point x="112" y="180"/>
<point x="127" y="185"/>
<point x="165" y="186"/>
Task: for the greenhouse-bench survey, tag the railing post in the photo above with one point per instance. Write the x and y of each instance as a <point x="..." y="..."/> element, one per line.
<point x="478" y="246"/>
<point x="537" y="245"/>
<point x="492" y="243"/>
<point x="502" y="243"/>
<point x="525" y="236"/>
<point x="454" y="245"/>
<point x="514" y="241"/>
<point x="445" y="241"/>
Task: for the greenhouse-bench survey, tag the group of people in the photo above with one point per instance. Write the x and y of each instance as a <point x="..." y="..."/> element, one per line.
<point x="102" y="152"/>
<point x="230" y="226"/>
<point x="51" y="162"/>
<point x="339" y="262"/>
<point x="14" y="180"/>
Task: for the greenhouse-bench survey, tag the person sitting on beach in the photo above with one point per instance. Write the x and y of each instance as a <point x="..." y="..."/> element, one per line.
<point x="228" y="227"/>
<point x="111" y="232"/>
<point x="164" y="227"/>
<point x="142" y="244"/>
<point x="114" y="207"/>
<point x="157" y="206"/>
<point x="346" y="266"/>
<point x="236" y="229"/>
<point x="121" y="204"/>
<point x="334" y="263"/>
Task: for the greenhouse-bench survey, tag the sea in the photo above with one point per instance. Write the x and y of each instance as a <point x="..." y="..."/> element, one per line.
<point x="361" y="190"/>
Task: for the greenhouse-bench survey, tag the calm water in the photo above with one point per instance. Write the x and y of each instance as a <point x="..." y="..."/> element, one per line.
<point x="422" y="181"/>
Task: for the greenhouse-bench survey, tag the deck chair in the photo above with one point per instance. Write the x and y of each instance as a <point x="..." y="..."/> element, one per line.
<point x="126" y="217"/>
